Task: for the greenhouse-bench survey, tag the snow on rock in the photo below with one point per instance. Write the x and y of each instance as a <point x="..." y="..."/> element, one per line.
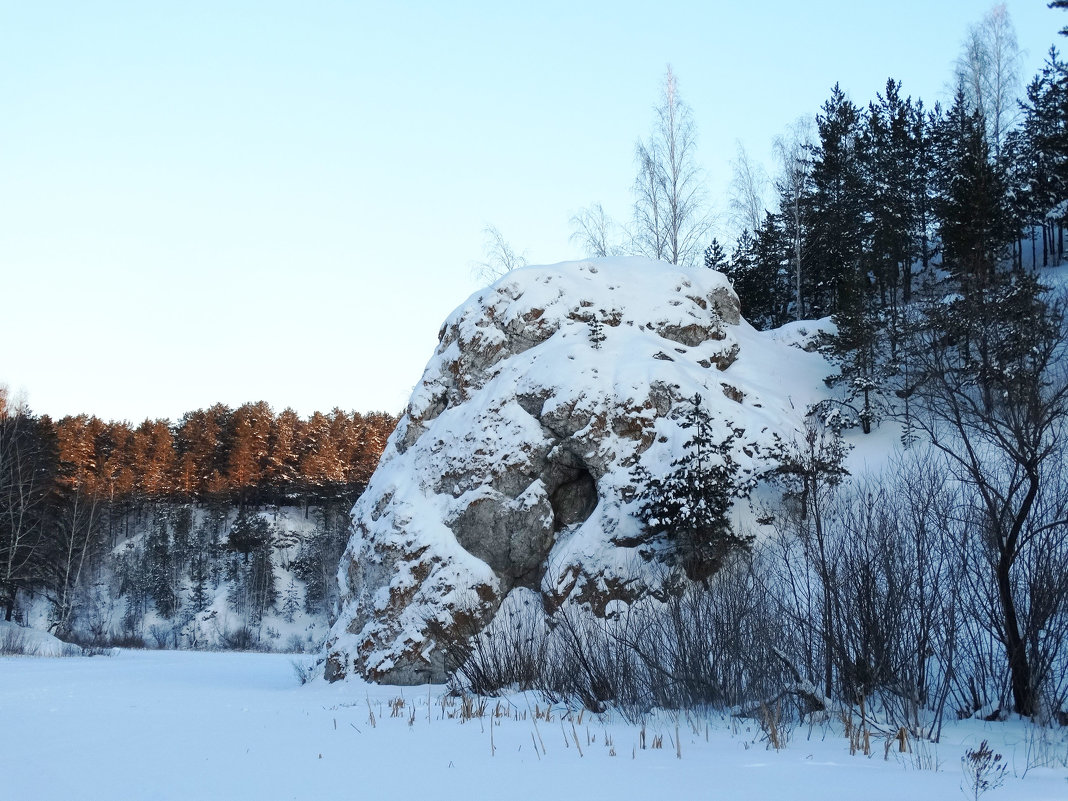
<point x="511" y="466"/>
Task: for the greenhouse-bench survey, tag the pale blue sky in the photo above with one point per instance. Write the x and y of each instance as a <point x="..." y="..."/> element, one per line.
<point x="230" y="201"/>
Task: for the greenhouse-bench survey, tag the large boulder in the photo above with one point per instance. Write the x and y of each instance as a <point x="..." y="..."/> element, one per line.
<point x="512" y="465"/>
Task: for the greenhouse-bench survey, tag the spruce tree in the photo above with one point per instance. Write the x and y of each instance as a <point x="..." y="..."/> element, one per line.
<point x="596" y="332"/>
<point x="690" y="504"/>
<point x="867" y="311"/>
<point x="924" y="188"/>
<point x="837" y="219"/>
<point x="715" y="257"/>
<point x="758" y="271"/>
<point x="1040" y="147"/>
<point x="975" y="219"/>
<point x="857" y="346"/>
<point x="159" y="558"/>
<point x="1062" y="4"/>
<point x="250" y="533"/>
<point x="890" y="164"/>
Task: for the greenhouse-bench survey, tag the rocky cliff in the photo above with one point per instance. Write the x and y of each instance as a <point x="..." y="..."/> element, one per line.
<point x="512" y="464"/>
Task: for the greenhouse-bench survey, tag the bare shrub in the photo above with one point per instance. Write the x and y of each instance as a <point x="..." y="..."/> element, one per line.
<point x="161" y="634"/>
<point x="872" y="596"/>
<point x="14" y="642"/>
<point x="886" y="613"/>
<point x="708" y="644"/>
<point x="304" y="670"/>
<point x="511" y="652"/>
<point x="983" y="770"/>
<point x="592" y="659"/>
<point x="243" y="638"/>
<point x="123" y="640"/>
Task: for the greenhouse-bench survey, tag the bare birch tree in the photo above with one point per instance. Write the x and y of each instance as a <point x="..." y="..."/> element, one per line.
<point x="649" y="205"/>
<point x="747" y="193"/>
<point x="795" y="166"/>
<point x="670" y="213"/>
<point x="592" y="230"/>
<point x="24" y="486"/>
<point x="988" y="70"/>
<point x="500" y="257"/>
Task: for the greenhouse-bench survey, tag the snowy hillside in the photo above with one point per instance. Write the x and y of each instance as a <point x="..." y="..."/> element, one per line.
<point x="210" y="576"/>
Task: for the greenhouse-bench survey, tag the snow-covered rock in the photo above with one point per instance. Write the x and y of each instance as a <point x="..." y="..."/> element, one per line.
<point x="513" y="461"/>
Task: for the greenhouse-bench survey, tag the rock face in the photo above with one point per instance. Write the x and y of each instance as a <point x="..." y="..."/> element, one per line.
<point x="511" y="466"/>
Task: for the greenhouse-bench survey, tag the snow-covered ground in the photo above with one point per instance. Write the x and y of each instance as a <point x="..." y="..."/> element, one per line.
<point x="195" y="725"/>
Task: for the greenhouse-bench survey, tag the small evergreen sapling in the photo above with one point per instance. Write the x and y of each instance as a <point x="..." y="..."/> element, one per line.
<point x="596" y="333"/>
<point x="715" y="256"/>
<point x="690" y="505"/>
<point x="291" y="602"/>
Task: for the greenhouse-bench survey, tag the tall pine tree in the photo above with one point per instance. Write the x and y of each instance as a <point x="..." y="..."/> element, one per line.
<point x="836" y="209"/>
<point x="972" y="204"/>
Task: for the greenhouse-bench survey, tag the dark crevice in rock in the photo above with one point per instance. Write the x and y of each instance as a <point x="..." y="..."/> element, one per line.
<point x="572" y="494"/>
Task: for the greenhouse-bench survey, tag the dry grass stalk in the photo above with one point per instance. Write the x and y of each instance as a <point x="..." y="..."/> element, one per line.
<point x="770" y="723"/>
<point x="535" y="722"/>
<point x="574" y="734"/>
<point x="470" y="708"/>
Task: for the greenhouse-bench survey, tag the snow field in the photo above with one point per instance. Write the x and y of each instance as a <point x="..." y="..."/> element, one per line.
<point x="194" y="725"/>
